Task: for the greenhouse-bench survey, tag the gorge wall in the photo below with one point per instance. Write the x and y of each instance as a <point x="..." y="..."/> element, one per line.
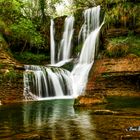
<point x="11" y="76"/>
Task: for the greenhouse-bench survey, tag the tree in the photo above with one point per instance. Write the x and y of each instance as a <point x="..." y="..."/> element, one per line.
<point x="17" y="29"/>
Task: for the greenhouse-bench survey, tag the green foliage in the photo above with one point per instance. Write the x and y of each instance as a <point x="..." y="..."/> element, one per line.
<point x="117" y="50"/>
<point x="30" y="58"/>
<point x="10" y="75"/>
<point x="122" y="14"/>
<point x="42" y="8"/>
<point x="68" y="66"/>
<point x="1" y="37"/>
<point x="10" y="10"/>
<point x="105" y="75"/>
<point x="122" y="46"/>
<point x="78" y="4"/>
<point x="25" y="30"/>
<point x="78" y="48"/>
<point x="17" y="29"/>
<point x="134" y="45"/>
<point x="1" y="65"/>
<point x="118" y="13"/>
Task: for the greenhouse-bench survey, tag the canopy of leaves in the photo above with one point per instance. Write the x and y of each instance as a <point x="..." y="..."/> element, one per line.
<point x="118" y="12"/>
<point x="16" y="28"/>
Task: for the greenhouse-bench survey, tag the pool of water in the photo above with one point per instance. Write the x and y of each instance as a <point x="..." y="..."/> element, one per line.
<point x="59" y="120"/>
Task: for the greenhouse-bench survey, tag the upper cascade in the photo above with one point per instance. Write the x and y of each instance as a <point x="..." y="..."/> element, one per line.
<point x="64" y="51"/>
<point x="52" y="50"/>
<point x="66" y="42"/>
<point x="91" y="22"/>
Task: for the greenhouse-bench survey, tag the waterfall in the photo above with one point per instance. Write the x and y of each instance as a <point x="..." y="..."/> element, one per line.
<point x="91" y="17"/>
<point x="64" y="51"/>
<point x="66" y="42"/>
<point x="90" y="33"/>
<point x="52" y="42"/>
<point x="43" y="82"/>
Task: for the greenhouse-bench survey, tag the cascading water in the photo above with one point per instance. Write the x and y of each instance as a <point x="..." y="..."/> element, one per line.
<point x="91" y="17"/>
<point x="42" y="82"/>
<point x="64" y="51"/>
<point x="66" y="42"/>
<point x="52" y="42"/>
<point x="89" y="31"/>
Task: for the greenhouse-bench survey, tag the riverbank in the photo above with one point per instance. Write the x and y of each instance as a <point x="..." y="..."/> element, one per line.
<point x="111" y="77"/>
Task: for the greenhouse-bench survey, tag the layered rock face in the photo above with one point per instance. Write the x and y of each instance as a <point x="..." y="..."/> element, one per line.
<point x="116" y="74"/>
<point x="11" y="81"/>
<point x="111" y="77"/>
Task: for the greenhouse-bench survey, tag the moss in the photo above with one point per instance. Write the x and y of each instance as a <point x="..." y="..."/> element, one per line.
<point x="1" y="65"/>
<point x="68" y="66"/>
<point x="123" y="46"/>
<point x="10" y="75"/>
<point x="105" y="75"/>
<point x="31" y="58"/>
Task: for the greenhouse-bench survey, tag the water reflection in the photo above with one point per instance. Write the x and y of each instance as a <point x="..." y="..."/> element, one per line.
<point x="40" y="113"/>
<point x="53" y="120"/>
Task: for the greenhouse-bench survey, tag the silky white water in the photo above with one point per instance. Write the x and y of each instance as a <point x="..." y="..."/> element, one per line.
<point x="90" y="33"/>
<point x="52" y="52"/>
<point x="64" y="51"/>
<point x="91" y="22"/>
<point x="66" y="42"/>
<point x="43" y="82"/>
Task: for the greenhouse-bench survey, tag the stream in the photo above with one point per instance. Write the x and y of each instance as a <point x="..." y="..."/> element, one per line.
<point x="59" y="120"/>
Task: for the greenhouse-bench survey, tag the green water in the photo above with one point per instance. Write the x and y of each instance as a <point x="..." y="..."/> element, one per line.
<point x="123" y="102"/>
<point x="58" y="120"/>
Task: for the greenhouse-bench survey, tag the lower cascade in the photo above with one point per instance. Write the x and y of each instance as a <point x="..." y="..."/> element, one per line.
<point x="41" y="82"/>
<point x="49" y="82"/>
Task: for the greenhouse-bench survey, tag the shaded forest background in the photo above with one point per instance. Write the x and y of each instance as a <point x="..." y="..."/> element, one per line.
<point x="25" y="33"/>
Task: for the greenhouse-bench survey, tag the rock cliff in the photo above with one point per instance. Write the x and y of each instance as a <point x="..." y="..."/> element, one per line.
<point x="11" y="79"/>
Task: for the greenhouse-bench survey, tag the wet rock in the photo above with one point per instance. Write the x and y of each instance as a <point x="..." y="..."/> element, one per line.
<point x="104" y="112"/>
<point x="115" y="32"/>
<point x="27" y="137"/>
<point x="115" y="77"/>
<point x="87" y="100"/>
<point x="19" y="67"/>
